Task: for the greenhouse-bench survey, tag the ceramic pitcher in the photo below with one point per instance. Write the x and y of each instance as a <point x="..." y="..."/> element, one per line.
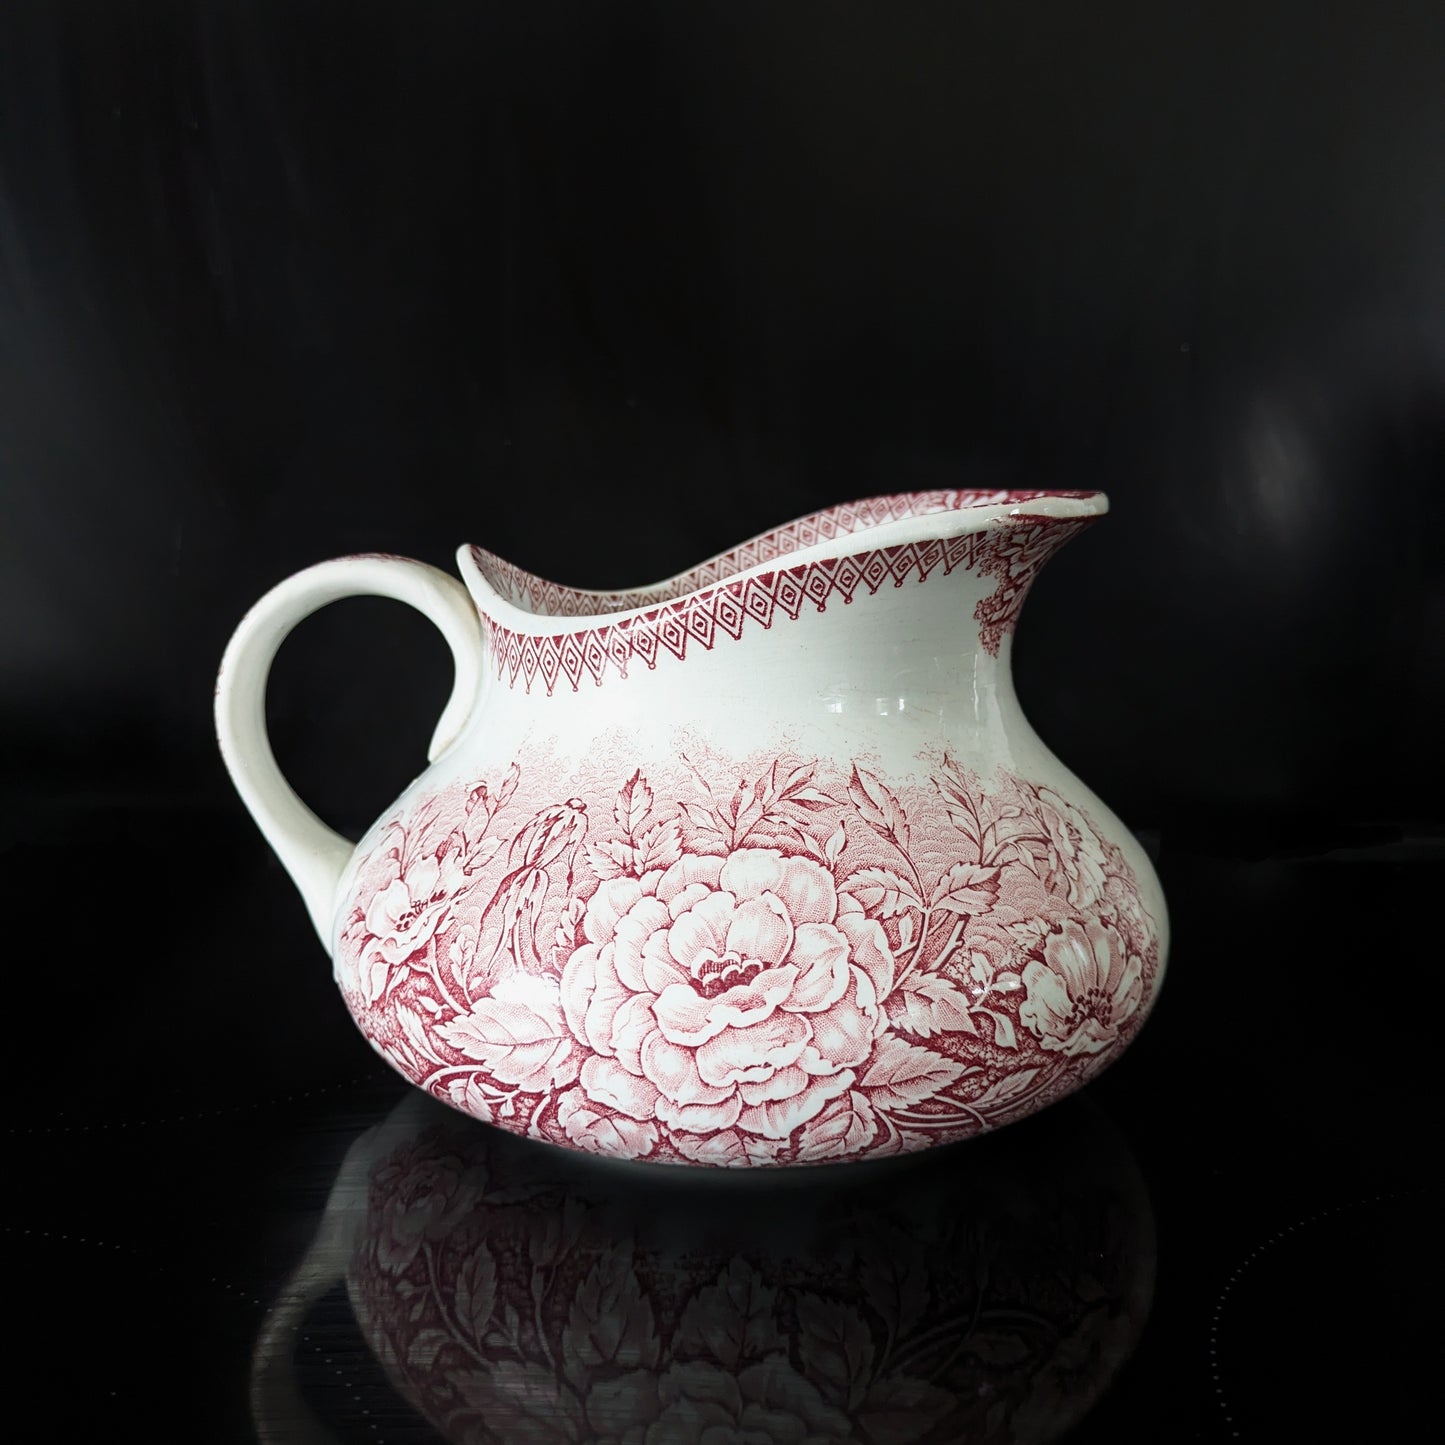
<point x="760" y="865"/>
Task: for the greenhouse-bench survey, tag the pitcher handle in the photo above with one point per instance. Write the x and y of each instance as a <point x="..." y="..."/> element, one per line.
<point x="313" y="854"/>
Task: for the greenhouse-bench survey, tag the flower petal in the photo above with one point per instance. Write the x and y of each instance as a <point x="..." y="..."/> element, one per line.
<point x="690" y="868"/>
<point x="1071" y="956"/>
<point x="870" y="950"/>
<point x="778" y="1119"/>
<point x="752" y="1053"/>
<point x="686" y="1017"/>
<point x="634" y="931"/>
<point x="682" y="901"/>
<point x="1129" y="992"/>
<point x="805" y="887"/>
<point x="843" y="1034"/>
<point x="1047" y="1008"/>
<point x="659" y="967"/>
<point x="782" y="1084"/>
<point x="422" y="876"/>
<point x="700" y="1118"/>
<point x="386" y="907"/>
<point x="608" y="995"/>
<point x="612" y="899"/>
<point x="609" y="1084"/>
<point x="632" y="1025"/>
<point x="674" y="1072"/>
<point x="760" y="929"/>
<point x="703" y="929"/>
<point x="579" y="982"/>
<point x="821" y="953"/>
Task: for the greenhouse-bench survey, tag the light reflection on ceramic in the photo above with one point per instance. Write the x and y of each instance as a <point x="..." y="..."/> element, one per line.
<point x="518" y="1294"/>
<point x="759" y="866"/>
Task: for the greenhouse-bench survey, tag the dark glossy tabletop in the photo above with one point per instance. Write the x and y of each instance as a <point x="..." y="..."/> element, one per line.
<point x="607" y="289"/>
<point x="229" y="1221"/>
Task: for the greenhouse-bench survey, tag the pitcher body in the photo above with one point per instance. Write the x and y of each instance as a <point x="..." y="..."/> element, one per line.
<point x="763" y="865"/>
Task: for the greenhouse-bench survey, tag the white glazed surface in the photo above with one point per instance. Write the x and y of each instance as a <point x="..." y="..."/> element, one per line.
<point x="495" y="970"/>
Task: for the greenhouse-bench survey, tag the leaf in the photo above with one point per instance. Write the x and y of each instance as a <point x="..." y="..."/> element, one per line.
<point x="610" y="1320"/>
<point x="554" y="1233"/>
<point x="517" y="1034"/>
<point x="809" y="799"/>
<point x="1005" y="1090"/>
<point x="509" y="785"/>
<point x="878" y="806"/>
<point x="928" y="1005"/>
<point x="834" y="1348"/>
<point x="901" y="1409"/>
<point x="895" y="1284"/>
<point x="883" y="890"/>
<point x="525" y="1400"/>
<point x="425" y="1346"/>
<point x="415" y="1029"/>
<point x="905" y="931"/>
<point x="479" y="797"/>
<point x="660" y="846"/>
<point x="1007" y="982"/>
<point x="480" y="854"/>
<point x="846" y="1125"/>
<point x="901" y="1073"/>
<point x="1000" y="1351"/>
<point x="701" y="817"/>
<point x="476" y="1291"/>
<point x="1003" y="1029"/>
<point x="611" y="859"/>
<point x="967" y="824"/>
<point x="634" y="803"/>
<point x="696" y="772"/>
<point x="615" y="1408"/>
<point x="730" y="1321"/>
<point x="835" y="844"/>
<point x="967" y="888"/>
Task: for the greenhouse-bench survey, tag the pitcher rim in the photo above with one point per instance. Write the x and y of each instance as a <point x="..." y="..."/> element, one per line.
<point x="883" y="523"/>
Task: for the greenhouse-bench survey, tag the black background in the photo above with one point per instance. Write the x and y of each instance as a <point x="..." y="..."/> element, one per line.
<point x="609" y="287"/>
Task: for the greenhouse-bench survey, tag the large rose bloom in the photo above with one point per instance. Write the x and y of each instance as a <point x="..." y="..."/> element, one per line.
<point x="735" y="992"/>
<point x="1088" y="986"/>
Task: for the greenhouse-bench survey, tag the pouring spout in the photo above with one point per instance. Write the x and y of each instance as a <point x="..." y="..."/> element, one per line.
<point x="887" y="526"/>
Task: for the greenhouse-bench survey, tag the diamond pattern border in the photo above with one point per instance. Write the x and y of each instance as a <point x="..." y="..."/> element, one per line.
<point x="689" y="614"/>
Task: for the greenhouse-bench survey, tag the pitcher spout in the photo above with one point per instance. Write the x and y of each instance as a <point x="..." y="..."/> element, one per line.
<point x="827" y="556"/>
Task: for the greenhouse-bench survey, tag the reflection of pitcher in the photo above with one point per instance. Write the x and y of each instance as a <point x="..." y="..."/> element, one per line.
<point x="515" y="1295"/>
<point x="761" y="865"/>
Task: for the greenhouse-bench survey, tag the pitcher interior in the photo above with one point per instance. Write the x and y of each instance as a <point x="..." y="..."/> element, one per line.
<point x="537" y="595"/>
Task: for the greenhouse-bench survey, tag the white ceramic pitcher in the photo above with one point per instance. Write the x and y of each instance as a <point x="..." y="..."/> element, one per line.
<point x="759" y="865"/>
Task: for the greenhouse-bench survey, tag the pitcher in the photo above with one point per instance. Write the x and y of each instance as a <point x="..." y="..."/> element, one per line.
<point x="760" y="865"/>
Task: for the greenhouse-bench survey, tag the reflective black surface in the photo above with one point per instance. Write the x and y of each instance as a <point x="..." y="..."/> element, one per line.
<point x="608" y="288"/>
<point x="1227" y="1235"/>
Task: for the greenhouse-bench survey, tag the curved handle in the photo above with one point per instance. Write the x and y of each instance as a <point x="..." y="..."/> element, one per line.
<point x="314" y="855"/>
<point x="278" y="1408"/>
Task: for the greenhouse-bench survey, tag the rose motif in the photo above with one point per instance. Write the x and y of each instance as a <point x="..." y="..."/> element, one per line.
<point x="423" y="1194"/>
<point x="403" y="917"/>
<point x="1076" y="857"/>
<point x="725" y="992"/>
<point x="1087" y="987"/>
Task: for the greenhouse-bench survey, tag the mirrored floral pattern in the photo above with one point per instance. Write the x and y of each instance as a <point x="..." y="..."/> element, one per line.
<point x="516" y="1295"/>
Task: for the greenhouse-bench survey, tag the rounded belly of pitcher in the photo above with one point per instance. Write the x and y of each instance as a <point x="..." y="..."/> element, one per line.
<point x="776" y="960"/>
